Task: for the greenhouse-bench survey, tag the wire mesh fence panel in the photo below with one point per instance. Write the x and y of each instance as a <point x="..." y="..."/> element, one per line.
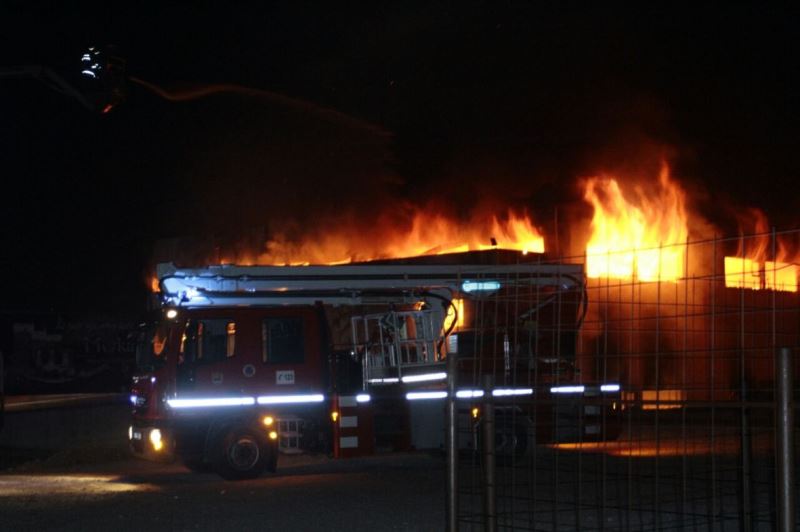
<point x="642" y="397"/>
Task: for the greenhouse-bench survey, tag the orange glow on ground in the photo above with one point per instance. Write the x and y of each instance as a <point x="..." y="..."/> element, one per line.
<point x="695" y="442"/>
<point x="639" y="235"/>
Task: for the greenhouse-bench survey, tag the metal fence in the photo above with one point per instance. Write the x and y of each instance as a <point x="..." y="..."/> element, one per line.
<point x="697" y="437"/>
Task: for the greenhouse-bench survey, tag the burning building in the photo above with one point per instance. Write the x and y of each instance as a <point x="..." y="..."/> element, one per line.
<point x="674" y="311"/>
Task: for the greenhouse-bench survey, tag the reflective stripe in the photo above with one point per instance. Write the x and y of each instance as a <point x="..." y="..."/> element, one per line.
<point x="289" y="399"/>
<point x="348" y="442"/>
<point x="504" y="392"/>
<point x="201" y="402"/>
<point x="425" y="377"/>
<point x="467" y="394"/>
<point x="347" y="422"/>
<point x="568" y="389"/>
<point x="211" y="401"/>
<point x="411" y="396"/>
<point x="347" y="400"/>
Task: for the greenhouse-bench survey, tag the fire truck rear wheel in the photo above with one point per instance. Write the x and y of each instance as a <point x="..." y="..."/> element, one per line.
<point x="242" y="452"/>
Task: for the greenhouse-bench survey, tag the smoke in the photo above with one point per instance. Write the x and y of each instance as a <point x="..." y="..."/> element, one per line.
<point x="264" y="167"/>
<point x="204" y="91"/>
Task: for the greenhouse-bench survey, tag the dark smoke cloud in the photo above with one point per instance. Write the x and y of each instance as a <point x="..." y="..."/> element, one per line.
<point x="203" y="91"/>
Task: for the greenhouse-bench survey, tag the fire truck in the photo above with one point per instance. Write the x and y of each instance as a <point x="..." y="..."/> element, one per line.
<point x="245" y="362"/>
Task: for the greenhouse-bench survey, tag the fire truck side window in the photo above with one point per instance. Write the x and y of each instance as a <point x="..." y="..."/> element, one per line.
<point x="159" y="340"/>
<point x="210" y="340"/>
<point x="150" y="344"/>
<point x="282" y="340"/>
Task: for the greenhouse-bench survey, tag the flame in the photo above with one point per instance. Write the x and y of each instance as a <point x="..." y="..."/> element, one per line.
<point x="750" y="268"/>
<point x="639" y="235"/>
<point x="427" y="234"/>
<point x="453" y="312"/>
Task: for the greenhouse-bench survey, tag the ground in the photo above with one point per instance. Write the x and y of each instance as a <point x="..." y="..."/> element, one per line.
<point x="390" y="492"/>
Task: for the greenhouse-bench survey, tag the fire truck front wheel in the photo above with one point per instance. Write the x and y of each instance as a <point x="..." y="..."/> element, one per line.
<point x="242" y="452"/>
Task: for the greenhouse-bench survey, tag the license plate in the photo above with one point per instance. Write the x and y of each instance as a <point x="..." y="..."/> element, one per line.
<point x="137" y="435"/>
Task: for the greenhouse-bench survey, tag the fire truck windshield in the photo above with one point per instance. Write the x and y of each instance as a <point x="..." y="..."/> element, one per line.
<point x="151" y="345"/>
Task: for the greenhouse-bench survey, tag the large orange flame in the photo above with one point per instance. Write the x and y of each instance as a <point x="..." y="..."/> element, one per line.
<point x="427" y="234"/>
<point x="640" y="235"/>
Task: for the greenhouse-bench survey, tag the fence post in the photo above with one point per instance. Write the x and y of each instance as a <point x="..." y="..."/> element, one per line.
<point x="2" y="392"/>
<point x="784" y="419"/>
<point x="451" y="437"/>
<point x="746" y="511"/>
<point x="489" y="465"/>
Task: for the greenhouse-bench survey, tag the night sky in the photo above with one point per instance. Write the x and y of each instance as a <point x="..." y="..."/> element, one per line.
<point x="459" y="103"/>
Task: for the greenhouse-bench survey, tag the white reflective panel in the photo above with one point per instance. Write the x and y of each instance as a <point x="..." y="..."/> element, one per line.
<point x="211" y="401"/>
<point x="390" y="380"/>
<point x="425" y="377"/>
<point x="290" y="399"/>
<point x="467" y="394"/>
<point x="89" y="73"/>
<point x="609" y="388"/>
<point x="505" y="392"/>
<point x="480" y="286"/>
<point x="412" y="396"/>
<point x="568" y="389"/>
<point x="363" y="398"/>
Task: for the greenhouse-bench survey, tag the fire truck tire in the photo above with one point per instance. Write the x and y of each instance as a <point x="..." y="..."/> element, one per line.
<point x="242" y="452"/>
<point x="514" y="439"/>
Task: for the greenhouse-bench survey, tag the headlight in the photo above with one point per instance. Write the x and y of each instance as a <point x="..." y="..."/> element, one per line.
<point x="155" y="439"/>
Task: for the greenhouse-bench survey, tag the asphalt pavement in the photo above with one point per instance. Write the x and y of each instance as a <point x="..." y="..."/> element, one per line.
<point x="308" y="493"/>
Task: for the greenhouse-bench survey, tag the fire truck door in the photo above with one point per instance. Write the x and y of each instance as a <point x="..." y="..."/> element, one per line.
<point x="209" y="344"/>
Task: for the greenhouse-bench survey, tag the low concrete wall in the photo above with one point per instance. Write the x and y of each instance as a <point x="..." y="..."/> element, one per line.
<point x="42" y="422"/>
